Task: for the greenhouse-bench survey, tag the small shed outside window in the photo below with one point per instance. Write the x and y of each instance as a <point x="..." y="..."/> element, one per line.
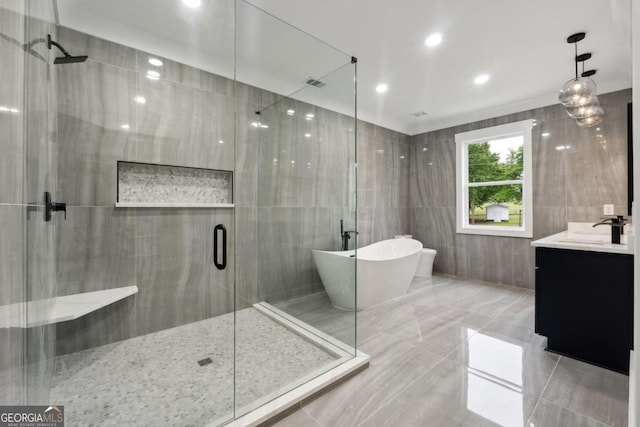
<point x="497" y="213"/>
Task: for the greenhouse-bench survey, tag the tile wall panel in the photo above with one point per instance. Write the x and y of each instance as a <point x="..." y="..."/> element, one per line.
<point x="569" y="184"/>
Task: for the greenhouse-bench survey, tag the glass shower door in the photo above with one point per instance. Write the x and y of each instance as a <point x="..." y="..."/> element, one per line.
<point x="296" y="138"/>
<point x="159" y="338"/>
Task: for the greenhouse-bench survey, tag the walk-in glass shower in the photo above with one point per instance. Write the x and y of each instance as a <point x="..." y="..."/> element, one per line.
<point x="190" y="165"/>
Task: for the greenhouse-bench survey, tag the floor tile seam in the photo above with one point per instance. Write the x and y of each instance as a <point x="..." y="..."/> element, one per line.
<point x="518" y="325"/>
<point x="576" y="412"/>
<point x="553" y="371"/>
<point x="360" y="343"/>
<point x="389" y="400"/>
<point x="491" y="319"/>
<point x="303" y="409"/>
<point x="500" y="312"/>
<point x="544" y="389"/>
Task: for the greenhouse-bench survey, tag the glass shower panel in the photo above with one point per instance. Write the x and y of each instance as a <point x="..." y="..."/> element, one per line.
<point x="40" y="178"/>
<point x="145" y="146"/>
<point x="12" y="204"/>
<point x="27" y="169"/>
<point x="296" y="132"/>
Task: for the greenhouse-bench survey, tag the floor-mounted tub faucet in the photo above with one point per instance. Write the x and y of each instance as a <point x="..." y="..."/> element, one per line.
<point x="345" y="235"/>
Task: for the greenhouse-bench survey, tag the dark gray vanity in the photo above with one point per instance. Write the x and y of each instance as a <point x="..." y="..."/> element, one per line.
<point x="584" y="300"/>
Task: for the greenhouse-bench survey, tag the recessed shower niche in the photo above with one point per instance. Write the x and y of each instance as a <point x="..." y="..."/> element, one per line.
<point x="156" y="185"/>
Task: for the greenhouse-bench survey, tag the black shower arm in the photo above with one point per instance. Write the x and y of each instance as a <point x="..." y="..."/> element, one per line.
<point x="51" y="42"/>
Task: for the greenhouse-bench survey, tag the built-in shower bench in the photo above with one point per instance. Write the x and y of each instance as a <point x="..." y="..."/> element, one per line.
<point x="60" y="309"/>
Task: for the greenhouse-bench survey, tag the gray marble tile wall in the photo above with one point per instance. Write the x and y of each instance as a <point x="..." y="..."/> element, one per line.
<point x="12" y="291"/>
<point x="304" y="189"/>
<point x="569" y="185"/>
<point x="185" y="119"/>
<point x="383" y="183"/>
<point x="12" y="29"/>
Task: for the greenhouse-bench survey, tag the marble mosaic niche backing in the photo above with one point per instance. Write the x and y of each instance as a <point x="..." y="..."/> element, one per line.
<point x="145" y="183"/>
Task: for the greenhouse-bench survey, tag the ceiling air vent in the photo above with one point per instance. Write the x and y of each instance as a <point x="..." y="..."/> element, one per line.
<point x="313" y="82"/>
<point x="420" y="113"/>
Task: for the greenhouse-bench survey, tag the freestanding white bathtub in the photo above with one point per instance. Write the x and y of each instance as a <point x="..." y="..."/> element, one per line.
<point x="385" y="270"/>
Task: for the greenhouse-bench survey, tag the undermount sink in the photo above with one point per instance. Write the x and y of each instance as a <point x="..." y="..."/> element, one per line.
<point x="584" y="233"/>
<point x="583" y="241"/>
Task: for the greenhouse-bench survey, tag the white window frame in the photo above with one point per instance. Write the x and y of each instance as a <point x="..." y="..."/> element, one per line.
<point x="463" y="140"/>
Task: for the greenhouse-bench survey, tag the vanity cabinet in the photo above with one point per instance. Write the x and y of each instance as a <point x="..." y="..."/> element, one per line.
<point x="584" y="305"/>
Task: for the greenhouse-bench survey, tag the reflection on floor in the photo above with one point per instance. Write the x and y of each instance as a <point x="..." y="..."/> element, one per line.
<point x="156" y="379"/>
<point x="455" y="352"/>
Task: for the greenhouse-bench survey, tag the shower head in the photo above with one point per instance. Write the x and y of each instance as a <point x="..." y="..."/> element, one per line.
<point x="67" y="58"/>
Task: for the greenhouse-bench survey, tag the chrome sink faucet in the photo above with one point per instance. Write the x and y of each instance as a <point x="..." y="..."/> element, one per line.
<point x="617" y="227"/>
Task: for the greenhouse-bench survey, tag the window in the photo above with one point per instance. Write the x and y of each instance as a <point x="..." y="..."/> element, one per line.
<point x="493" y="184"/>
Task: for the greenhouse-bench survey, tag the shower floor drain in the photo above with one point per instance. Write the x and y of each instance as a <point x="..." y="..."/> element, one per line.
<point x="204" y="362"/>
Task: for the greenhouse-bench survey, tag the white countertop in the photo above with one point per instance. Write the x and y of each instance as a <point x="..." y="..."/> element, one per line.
<point x="578" y="242"/>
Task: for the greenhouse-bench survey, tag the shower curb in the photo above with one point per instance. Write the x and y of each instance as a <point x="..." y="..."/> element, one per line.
<point x="294" y="399"/>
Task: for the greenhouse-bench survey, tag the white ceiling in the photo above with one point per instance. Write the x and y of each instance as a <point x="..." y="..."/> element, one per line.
<point x="521" y="44"/>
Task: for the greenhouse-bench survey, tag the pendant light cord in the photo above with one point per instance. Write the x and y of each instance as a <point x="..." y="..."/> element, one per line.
<point x="575" y="58"/>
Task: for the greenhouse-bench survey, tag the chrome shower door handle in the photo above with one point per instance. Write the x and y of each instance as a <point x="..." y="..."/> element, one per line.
<point x="220" y="265"/>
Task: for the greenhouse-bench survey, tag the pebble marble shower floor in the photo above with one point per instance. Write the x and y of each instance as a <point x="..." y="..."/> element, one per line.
<point x="456" y="352"/>
<point x="155" y="379"/>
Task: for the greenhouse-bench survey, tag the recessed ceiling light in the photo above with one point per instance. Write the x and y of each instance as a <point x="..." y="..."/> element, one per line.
<point x="433" y="40"/>
<point x="402" y="157"/>
<point x="291" y="112"/>
<point x="307" y="135"/>
<point x="125" y="126"/>
<point x="309" y="116"/>
<point x="545" y="134"/>
<point x="220" y="141"/>
<point x="155" y="62"/>
<point x="562" y="147"/>
<point x="192" y="3"/>
<point x="425" y="149"/>
<point x="140" y="99"/>
<point x="481" y="79"/>
<point x="382" y="88"/>
<point x="264" y="126"/>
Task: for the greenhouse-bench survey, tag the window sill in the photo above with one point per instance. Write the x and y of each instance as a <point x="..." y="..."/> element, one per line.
<point x="495" y="231"/>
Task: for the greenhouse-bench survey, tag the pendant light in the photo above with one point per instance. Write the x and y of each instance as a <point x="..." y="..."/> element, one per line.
<point x="592" y="120"/>
<point x="591" y="114"/>
<point x="578" y="95"/>
<point x="580" y="90"/>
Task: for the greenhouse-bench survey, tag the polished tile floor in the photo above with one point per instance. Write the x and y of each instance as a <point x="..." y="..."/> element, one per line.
<point x="455" y="352"/>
